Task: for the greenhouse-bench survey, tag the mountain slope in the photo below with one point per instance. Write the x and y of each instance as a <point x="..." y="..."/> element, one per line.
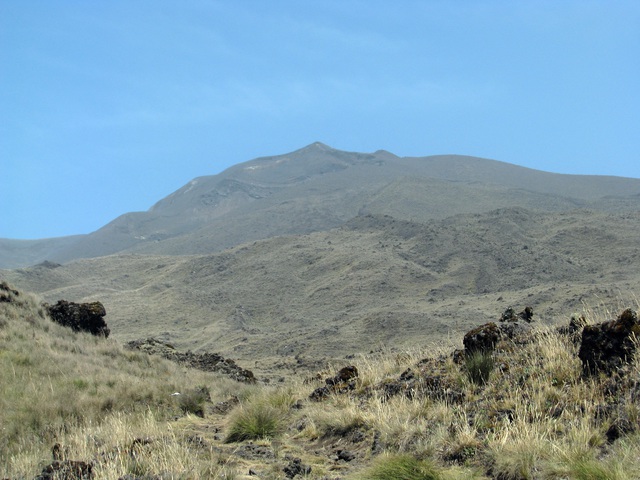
<point x="317" y="188"/>
<point x="375" y="281"/>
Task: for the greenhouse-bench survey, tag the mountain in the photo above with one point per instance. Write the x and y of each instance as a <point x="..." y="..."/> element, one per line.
<point x="299" y="300"/>
<point x="317" y="188"/>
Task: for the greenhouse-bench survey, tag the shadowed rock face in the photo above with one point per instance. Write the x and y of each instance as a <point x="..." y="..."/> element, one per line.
<point x="81" y="317"/>
<point x="609" y="345"/>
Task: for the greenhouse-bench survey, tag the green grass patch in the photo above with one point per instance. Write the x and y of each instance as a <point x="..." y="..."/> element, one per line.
<point x="255" y="421"/>
<point x="402" y="467"/>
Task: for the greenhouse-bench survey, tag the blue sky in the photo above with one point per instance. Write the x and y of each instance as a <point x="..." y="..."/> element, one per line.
<point x="108" y="106"/>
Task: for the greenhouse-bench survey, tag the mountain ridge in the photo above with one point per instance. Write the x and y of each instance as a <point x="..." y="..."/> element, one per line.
<point x="317" y="187"/>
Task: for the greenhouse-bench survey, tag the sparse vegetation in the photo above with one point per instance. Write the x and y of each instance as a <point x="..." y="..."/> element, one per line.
<point x="411" y="415"/>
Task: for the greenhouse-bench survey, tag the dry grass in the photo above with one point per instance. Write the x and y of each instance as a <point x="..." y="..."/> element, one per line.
<point x="58" y="384"/>
<point x="534" y="417"/>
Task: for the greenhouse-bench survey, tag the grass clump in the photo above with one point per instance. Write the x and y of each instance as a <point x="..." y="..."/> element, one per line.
<point x="255" y="421"/>
<point x="194" y="401"/>
<point x="402" y="467"/>
<point x="478" y="367"/>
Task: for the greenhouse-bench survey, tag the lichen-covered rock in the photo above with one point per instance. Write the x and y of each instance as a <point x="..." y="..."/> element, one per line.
<point x="482" y="339"/>
<point x="609" y="345"/>
<point x="81" y="317"/>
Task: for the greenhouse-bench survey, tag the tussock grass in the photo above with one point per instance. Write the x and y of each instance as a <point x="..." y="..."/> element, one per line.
<point x="253" y="422"/>
<point x="261" y="416"/>
<point x="402" y="467"/>
<point x="479" y="366"/>
<point x="56" y="383"/>
<point x="533" y="417"/>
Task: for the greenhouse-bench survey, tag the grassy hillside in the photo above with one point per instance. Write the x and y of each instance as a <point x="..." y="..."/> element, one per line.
<point x="280" y="305"/>
<point x="61" y="386"/>
<point x="523" y="412"/>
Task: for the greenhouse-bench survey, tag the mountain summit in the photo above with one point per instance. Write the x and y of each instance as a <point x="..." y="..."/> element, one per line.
<point x="318" y="187"/>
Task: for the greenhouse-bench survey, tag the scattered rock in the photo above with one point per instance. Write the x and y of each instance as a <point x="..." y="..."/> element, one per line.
<point x="208" y="362"/>
<point x="345" y="455"/>
<point x="66" y="470"/>
<point x="509" y="315"/>
<point x="80" y="317"/>
<point x="574" y="329"/>
<point x="296" y="467"/>
<point x="251" y="451"/>
<point x="344" y="381"/>
<point x="609" y="345"/>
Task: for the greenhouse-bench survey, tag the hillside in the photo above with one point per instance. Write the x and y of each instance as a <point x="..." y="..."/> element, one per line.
<point x="318" y="188"/>
<point x="291" y="301"/>
<point x="76" y="406"/>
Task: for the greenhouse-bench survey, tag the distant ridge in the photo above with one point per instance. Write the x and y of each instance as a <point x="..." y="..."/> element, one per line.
<point x="318" y="187"/>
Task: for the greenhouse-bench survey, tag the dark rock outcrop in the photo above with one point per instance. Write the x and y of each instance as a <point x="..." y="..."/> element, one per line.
<point x="7" y="294"/>
<point x="66" y="470"/>
<point x="208" y="362"/>
<point x="512" y="326"/>
<point x="81" y="317"/>
<point x="296" y="467"/>
<point x="482" y="339"/>
<point x="344" y="381"/>
<point x="509" y="315"/>
<point x="574" y="329"/>
<point x="608" y="346"/>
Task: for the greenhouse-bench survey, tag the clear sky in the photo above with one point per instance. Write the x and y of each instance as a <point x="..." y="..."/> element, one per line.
<point x="108" y="106"/>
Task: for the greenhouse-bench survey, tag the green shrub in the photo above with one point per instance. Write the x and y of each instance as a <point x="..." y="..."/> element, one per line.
<point x="402" y="467"/>
<point x="255" y="421"/>
<point x="478" y="367"/>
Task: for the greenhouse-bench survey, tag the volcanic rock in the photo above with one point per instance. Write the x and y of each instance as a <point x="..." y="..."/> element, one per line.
<point x="81" y="317"/>
<point x="608" y="346"/>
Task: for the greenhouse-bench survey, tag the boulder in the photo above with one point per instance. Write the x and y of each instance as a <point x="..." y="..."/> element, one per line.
<point x="607" y="346"/>
<point x="482" y="339"/>
<point x="81" y="317"/>
<point x="518" y="332"/>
